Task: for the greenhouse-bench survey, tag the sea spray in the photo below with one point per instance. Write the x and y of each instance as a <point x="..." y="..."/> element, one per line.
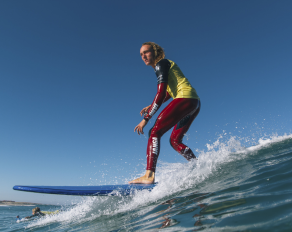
<point x="227" y="181"/>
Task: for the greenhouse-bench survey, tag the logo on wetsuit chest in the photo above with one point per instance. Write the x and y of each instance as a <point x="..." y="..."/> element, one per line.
<point x="155" y="145"/>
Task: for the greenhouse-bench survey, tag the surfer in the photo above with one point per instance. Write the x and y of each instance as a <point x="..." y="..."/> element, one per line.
<point x="179" y="113"/>
<point x="36" y="212"/>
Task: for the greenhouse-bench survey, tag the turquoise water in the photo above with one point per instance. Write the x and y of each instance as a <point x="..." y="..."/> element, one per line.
<point x="229" y="188"/>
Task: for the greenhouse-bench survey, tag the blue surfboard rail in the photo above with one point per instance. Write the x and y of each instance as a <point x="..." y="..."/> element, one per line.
<point x="102" y="190"/>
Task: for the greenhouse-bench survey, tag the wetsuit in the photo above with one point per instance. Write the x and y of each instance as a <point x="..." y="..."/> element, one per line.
<point x="179" y="113"/>
<point x="38" y="214"/>
<point x="42" y="213"/>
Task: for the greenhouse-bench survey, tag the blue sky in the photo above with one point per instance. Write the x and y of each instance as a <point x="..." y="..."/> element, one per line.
<point x="72" y="83"/>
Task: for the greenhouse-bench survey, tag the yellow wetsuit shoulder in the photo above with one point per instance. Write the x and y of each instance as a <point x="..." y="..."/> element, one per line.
<point x="178" y="85"/>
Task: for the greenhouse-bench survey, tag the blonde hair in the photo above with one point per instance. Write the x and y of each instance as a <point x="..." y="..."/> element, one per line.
<point x="158" y="51"/>
<point x="36" y="209"/>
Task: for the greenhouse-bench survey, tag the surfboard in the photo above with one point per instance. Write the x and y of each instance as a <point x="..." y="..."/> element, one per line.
<point x="102" y="190"/>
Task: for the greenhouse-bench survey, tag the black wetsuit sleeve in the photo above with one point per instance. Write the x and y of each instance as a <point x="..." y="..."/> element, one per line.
<point x="28" y="217"/>
<point x="38" y="214"/>
<point x="161" y="71"/>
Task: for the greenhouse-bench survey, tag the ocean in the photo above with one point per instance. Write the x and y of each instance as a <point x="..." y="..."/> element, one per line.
<point x="231" y="187"/>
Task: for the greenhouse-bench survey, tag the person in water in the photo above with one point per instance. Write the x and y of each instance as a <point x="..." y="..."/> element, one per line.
<point x="179" y="113"/>
<point x="36" y="212"/>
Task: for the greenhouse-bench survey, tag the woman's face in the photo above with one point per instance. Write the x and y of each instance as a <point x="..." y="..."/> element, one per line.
<point x="147" y="55"/>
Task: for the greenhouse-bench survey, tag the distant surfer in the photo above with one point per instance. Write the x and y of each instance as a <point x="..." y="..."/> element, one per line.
<point x="36" y="212"/>
<point x="179" y="113"/>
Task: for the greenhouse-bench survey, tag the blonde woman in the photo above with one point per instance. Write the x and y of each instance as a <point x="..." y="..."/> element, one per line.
<point x="36" y="212"/>
<point x="179" y="113"/>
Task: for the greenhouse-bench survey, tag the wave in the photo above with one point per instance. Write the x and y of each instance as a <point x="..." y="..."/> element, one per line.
<point x="228" y="182"/>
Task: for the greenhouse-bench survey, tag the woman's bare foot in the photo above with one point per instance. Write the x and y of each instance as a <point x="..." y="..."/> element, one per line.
<point x="148" y="178"/>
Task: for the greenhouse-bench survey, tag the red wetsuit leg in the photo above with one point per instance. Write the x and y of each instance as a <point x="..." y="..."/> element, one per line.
<point x="176" y="110"/>
<point x="178" y="133"/>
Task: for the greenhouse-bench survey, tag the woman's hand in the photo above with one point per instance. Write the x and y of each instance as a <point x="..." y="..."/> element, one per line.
<point x="144" y="110"/>
<point x="140" y="126"/>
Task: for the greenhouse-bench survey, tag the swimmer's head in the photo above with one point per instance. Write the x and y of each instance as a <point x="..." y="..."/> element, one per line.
<point x="36" y="210"/>
<point x="157" y="53"/>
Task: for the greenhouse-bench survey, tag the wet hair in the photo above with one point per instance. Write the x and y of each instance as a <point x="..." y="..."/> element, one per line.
<point x="36" y="209"/>
<point x="158" y="51"/>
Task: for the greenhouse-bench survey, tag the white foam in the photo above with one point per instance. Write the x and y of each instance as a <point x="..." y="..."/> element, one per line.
<point x="172" y="177"/>
<point x="264" y="142"/>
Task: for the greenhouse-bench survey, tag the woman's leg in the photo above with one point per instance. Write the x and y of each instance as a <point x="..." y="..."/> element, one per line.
<point x="176" y="111"/>
<point x="178" y="133"/>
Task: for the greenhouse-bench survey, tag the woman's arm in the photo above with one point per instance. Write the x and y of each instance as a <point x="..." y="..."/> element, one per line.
<point x="161" y="71"/>
<point x="167" y="97"/>
<point x="157" y="102"/>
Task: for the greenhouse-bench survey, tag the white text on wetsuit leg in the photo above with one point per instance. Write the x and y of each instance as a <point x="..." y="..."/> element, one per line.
<point x="155" y="145"/>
